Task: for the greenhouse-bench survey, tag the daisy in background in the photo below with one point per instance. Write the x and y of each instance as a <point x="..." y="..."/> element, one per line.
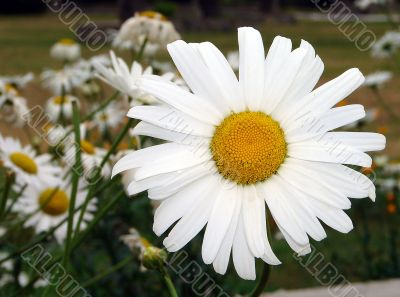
<point x="233" y="60"/>
<point x="377" y="79"/>
<point x="15" y="112"/>
<point x="62" y="81"/>
<point x="387" y="45"/>
<point x="47" y="205"/>
<point x="18" y="81"/>
<point x="91" y="155"/>
<point x="150" y="25"/>
<point x="66" y="50"/>
<point x="30" y="168"/>
<point x="60" y="104"/>
<point x="110" y="117"/>
<point x="234" y="145"/>
<point x="364" y="4"/>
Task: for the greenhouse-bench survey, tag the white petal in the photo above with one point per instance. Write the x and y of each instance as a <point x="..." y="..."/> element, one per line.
<point x="251" y="66"/>
<point x="363" y="141"/>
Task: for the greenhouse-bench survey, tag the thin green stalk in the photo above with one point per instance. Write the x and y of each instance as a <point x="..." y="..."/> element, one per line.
<point x="388" y="109"/>
<point x="76" y="174"/>
<point x="8" y="182"/>
<point x="107" y="272"/>
<point x="61" y="114"/>
<point x="259" y="289"/>
<point x="169" y="283"/>
<point x="21" y="191"/>
<point x="141" y="50"/>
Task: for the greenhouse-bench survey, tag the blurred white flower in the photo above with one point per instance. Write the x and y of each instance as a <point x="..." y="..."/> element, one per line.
<point x="14" y="111"/>
<point x="387" y="45"/>
<point x="29" y="167"/>
<point x="109" y="117"/>
<point x="66" y="50"/>
<point x="377" y="79"/>
<point x="147" y="24"/>
<point x="48" y="204"/>
<point x="64" y="80"/>
<point x="381" y="160"/>
<point x="57" y="104"/>
<point x="18" y="81"/>
<point x="364" y="4"/>
<point x="233" y="60"/>
<point x="134" y="241"/>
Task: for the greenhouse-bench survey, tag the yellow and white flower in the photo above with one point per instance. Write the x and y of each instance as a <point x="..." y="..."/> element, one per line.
<point x="18" y="81"/>
<point x="60" y="104"/>
<point x="66" y="50"/>
<point x="146" y="24"/>
<point x="235" y="145"/>
<point x="30" y="168"/>
<point x="109" y="117"/>
<point x="47" y="206"/>
<point x="62" y="81"/>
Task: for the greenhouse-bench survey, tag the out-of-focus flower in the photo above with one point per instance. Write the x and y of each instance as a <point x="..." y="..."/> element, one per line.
<point x="377" y="79"/>
<point x="381" y="160"/>
<point x="30" y="168"/>
<point x="109" y="117"/>
<point x="60" y="104"/>
<point x="391" y="208"/>
<point x="66" y="50"/>
<point x="387" y="45"/>
<point x="135" y="242"/>
<point x="217" y="148"/>
<point x="233" y="60"/>
<point x="64" y="80"/>
<point x="48" y="204"/>
<point x="150" y="25"/>
<point x="18" y="81"/>
<point x="15" y="111"/>
<point x="364" y="4"/>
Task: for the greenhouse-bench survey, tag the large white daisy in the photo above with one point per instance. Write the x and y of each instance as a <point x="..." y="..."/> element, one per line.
<point x="47" y="206"/>
<point x="30" y="168"/>
<point x="235" y="145"/>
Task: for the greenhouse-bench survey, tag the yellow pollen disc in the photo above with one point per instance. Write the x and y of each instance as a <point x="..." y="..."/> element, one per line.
<point x="24" y="162"/>
<point x="60" y="100"/>
<point x="104" y="117"/>
<point x="66" y="41"/>
<point x="248" y="147"/>
<point x="87" y="147"/>
<point x="53" y="201"/>
<point x="9" y="88"/>
<point x="145" y="242"/>
<point x="153" y="15"/>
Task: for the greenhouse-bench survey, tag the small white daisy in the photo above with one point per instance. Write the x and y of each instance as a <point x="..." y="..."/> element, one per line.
<point x="377" y="79"/>
<point x="387" y="45"/>
<point x="60" y="104"/>
<point x="66" y="50"/>
<point x="364" y="4"/>
<point x="109" y="117"/>
<point x="18" y="81"/>
<point x="64" y="80"/>
<point x="235" y="145"/>
<point x="48" y="204"/>
<point x="15" y="111"/>
<point x="147" y="24"/>
<point x="30" y="168"/>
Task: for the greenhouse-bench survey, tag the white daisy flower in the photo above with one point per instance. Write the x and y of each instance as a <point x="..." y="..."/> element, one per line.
<point x="18" y="81"/>
<point x="7" y="92"/>
<point x="59" y="103"/>
<point x="377" y="79"/>
<point x="109" y="117"/>
<point x="147" y="24"/>
<point x="135" y="241"/>
<point x="91" y="156"/>
<point x="387" y="45"/>
<point x="66" y="50"/>
<point x="65" y="79"/>
<point x="236" y="145"/>
<point x="233" y="60"/>
<point x="30" y="168"/>
<point x="15" y="111"/>
<point x="364" y="4"/>
<point x="48" y="204"/>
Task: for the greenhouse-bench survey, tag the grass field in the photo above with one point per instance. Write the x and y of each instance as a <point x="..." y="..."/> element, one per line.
<point x="25" y="43"/>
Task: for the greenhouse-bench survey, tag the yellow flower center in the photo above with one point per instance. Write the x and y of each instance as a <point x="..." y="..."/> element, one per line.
<point x="66" y="41"/>
<point x="87" y="147"/>
<point x="248" y="147"/>
<point x="53" y="201"/>
<point x="60" y="100"/>
<point x="152" y="15"/>
<point x="9" y="88"/>
<point x="144" y="242"/>
<point x="24" y="162"/>
<point x="104" y="117"/>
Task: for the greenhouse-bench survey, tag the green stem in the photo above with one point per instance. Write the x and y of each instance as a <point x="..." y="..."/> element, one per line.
<point x="388" y="109"/>
<point x="107" y="272"/>
<point x="141" y="50"/>
<point x="259" y="289"/>
<point x="8" y="182"/>
<point x="169" y="283"/>
<point x="76" y="174"/>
